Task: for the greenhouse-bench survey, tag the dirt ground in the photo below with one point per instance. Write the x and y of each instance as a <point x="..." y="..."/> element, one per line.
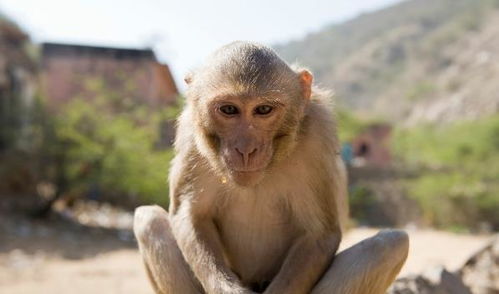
<point x="57" y="257"/>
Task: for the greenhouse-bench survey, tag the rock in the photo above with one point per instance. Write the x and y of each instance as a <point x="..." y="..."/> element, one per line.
<point x="481" y="271"/>
<point x="479" y="275"/>
<point x="435" y="281"/>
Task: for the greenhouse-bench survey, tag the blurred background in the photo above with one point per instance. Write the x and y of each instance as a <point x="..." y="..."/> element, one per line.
<point x="89" y="92"/>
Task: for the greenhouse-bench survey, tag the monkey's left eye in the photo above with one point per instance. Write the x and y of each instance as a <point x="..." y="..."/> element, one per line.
<point x="263" y="109"/>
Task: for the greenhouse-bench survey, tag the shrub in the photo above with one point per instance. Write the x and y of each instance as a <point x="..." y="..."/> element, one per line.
<point x="107" y="149"/>
<point x="458" y="167"/>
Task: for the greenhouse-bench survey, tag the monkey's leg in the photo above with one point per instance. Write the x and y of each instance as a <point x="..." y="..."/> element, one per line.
<point x="369" y="267"/>
<point x="165" y="265"/>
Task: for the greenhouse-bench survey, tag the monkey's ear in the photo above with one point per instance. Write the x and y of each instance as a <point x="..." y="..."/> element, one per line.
<point x="188" y="78"/>
<point x="306" y="79"/>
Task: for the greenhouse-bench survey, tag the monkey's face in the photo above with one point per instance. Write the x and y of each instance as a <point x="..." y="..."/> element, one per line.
<point x="246" y="129"/>
<point x="247" y="107"/>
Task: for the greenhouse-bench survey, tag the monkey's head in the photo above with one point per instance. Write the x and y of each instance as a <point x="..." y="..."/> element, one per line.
<point x="247" y="105"/>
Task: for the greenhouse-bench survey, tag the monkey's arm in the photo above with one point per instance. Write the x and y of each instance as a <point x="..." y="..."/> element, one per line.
<point x="193" y="227"/>
<point x="198" y="240"/>
<point x="306" y="261"/>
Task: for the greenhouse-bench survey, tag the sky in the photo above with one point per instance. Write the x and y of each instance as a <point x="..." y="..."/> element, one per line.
<point x="181" y="32"/>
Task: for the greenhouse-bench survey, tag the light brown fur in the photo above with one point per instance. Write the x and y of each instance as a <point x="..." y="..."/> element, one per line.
<point x="276" y="229"/>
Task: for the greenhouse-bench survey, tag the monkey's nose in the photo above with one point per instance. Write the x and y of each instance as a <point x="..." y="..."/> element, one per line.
<point x="246" y="154"/>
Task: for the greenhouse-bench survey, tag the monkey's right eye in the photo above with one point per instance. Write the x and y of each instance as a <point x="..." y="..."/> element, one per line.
<point x="229" y="109"/>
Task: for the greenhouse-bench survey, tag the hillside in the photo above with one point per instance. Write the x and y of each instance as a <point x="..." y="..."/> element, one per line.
<point x="417" y="61"/>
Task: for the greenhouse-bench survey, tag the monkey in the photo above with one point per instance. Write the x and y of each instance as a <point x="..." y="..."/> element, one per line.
<point x="258" y="192"/>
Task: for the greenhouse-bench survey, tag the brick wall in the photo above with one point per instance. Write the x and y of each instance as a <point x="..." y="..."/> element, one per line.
<point x="134" y="74"/>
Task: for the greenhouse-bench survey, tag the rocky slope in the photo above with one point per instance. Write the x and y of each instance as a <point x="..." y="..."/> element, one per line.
<point x="418" y="61"/>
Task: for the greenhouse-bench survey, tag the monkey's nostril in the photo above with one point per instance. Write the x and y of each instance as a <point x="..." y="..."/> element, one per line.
<point x="246" y="155"/>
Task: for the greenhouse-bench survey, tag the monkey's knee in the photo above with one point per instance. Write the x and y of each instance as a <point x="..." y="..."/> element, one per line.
<point x="149" y="221"/>
<point x="395" y="240"/>
<point x="391" y="244"/>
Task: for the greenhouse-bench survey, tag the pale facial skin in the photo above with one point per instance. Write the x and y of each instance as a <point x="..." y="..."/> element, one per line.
<point x="247" y="128"/>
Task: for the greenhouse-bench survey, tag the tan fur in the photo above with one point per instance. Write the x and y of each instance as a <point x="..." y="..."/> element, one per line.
<point x="278" y="232"/>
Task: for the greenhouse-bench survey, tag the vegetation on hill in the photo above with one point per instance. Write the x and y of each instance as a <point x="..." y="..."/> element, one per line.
<point x="458" y="166"/>
<point x="349" y="126"/>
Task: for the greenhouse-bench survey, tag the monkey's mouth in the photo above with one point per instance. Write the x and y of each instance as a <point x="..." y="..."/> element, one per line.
<point x="236" y="166"/>
<point x="248" y="170"/>
<point x="234" y="163"/>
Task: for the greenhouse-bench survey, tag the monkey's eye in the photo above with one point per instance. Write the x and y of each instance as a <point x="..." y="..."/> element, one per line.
<point x="263" y="109"/>
<point x="229" y="109"/>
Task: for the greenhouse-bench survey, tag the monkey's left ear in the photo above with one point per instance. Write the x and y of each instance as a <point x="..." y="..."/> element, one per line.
<point x="306" y="79"/>
<point x="188" y="78"/>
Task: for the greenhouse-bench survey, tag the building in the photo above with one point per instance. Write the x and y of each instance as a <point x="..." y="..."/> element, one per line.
<point x="372" y="147"/>
<point x="67" y="69"/>
<point x="81" y="72"/>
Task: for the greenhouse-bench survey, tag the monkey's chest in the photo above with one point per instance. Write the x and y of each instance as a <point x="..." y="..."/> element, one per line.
<point x="256" y="239"/>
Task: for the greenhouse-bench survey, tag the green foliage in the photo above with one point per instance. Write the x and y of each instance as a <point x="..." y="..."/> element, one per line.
<point x="361" y="201"/>
<point x="349" y="126"/>
<point x="106" y="146"/>
<point x="172" y="112"/>
<point x="421" y="90"/>
<point x="113" y="152"/>
<point x="459" y="168"/>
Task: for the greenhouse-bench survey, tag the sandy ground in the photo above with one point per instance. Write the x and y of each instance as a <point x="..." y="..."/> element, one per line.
<point x="81" y="260"/>
<point x="429" y="248"/>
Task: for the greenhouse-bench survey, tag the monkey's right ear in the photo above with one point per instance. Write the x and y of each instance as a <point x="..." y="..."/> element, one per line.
<point x="188" y="78"/>
<point x="306" y="79"/>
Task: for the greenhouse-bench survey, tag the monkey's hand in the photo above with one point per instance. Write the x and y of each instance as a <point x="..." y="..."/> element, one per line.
<point x="306" y="261"/>
<point x="200" y="244"/>
<point x="234" y="290"/>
